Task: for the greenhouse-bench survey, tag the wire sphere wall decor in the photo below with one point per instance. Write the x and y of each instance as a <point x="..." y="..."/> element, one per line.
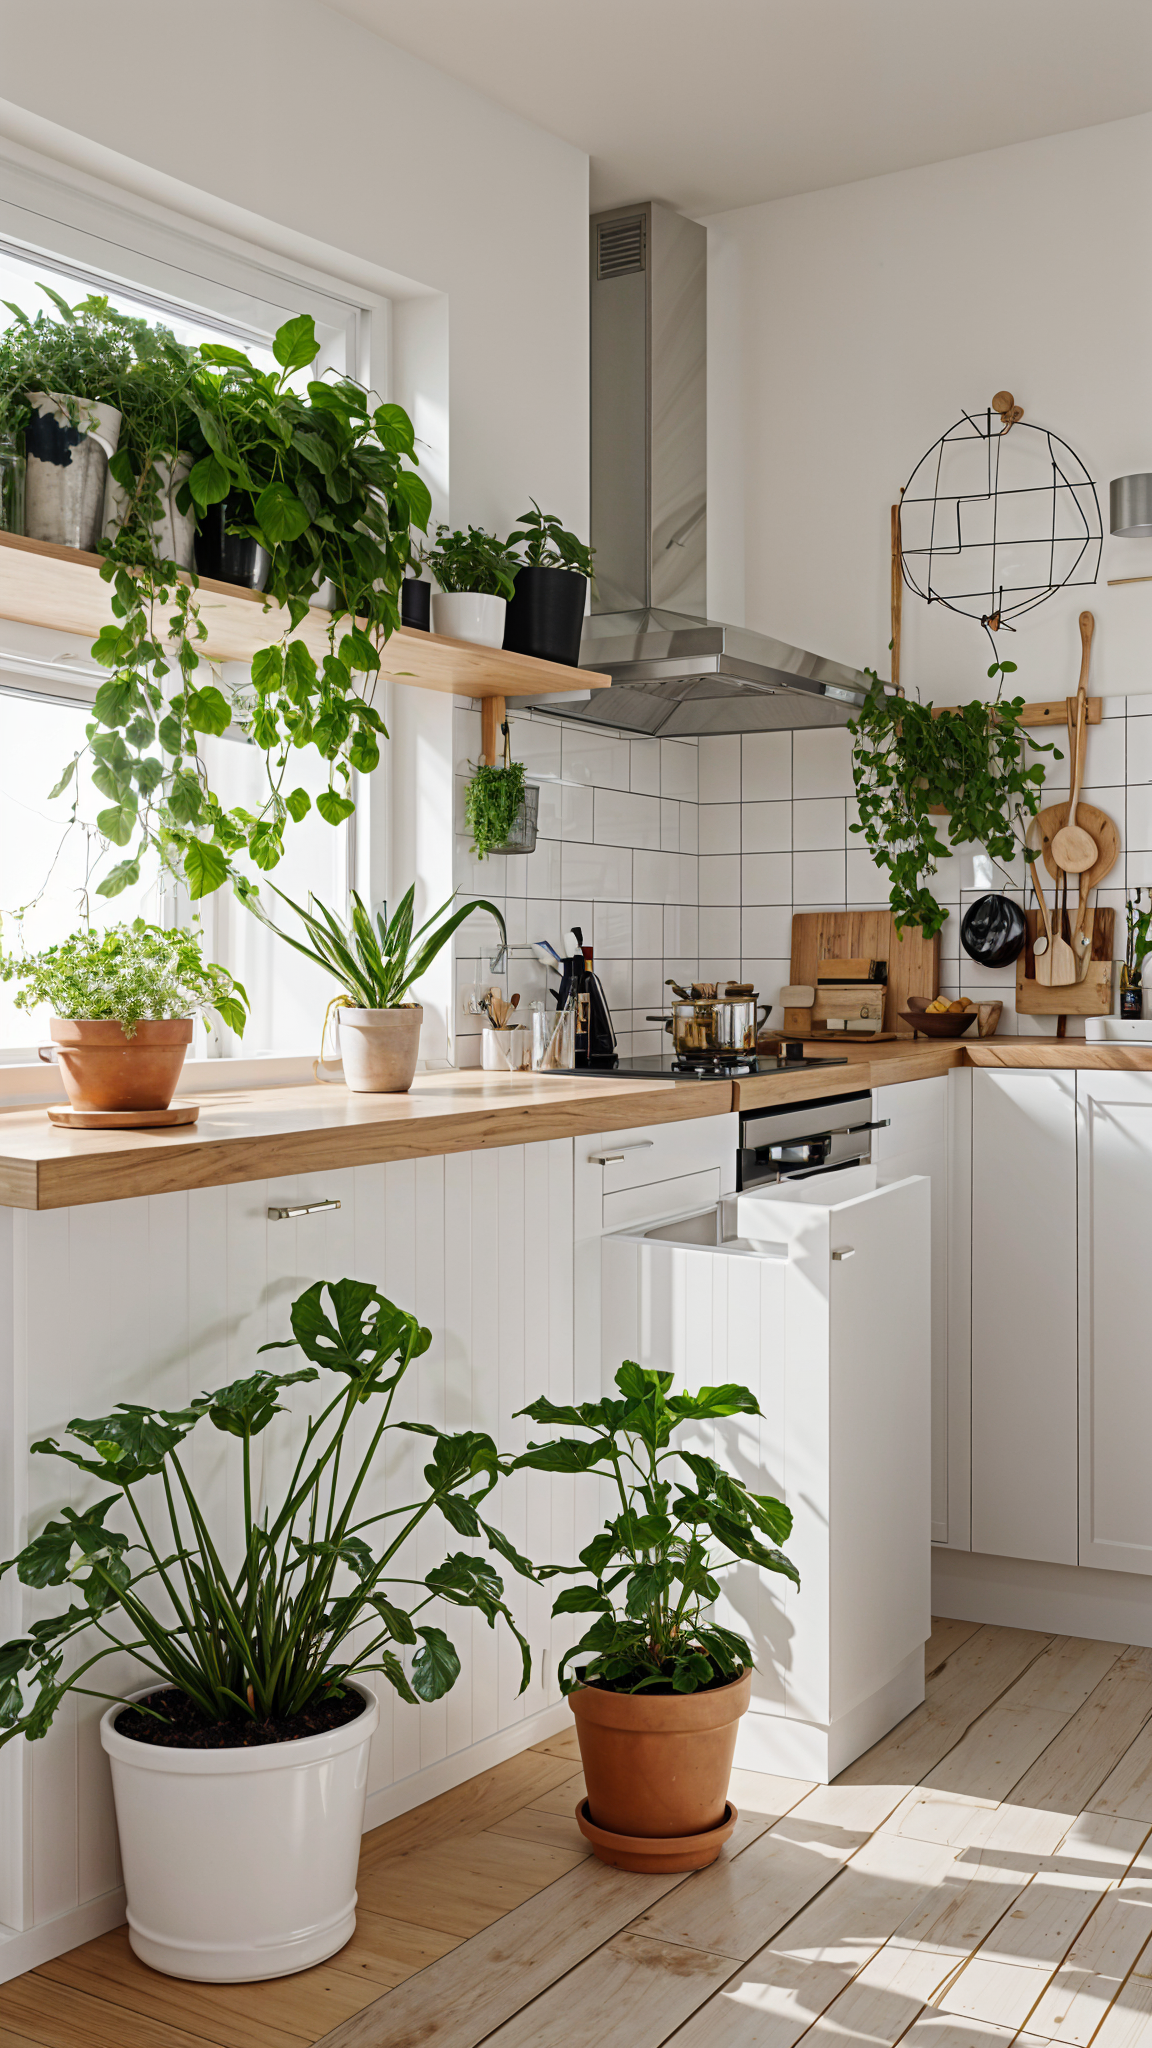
<point x="997" y="516"/>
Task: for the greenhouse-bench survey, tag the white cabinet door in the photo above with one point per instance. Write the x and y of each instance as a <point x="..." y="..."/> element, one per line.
<point x="916" y="1140"/>
<point x="1115" y="1205"/>
<point x="1024" y="1458"/>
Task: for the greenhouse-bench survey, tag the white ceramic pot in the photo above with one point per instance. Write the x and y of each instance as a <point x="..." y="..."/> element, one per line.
<point x="469" y="615"/>
<point x="379" y="1048"/>
<point x="240" y="1864"/>
<point x="69" y="443"/>
<point x="174" y="532"/>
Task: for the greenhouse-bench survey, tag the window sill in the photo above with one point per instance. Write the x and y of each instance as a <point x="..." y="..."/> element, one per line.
<point x="39" y="1081"/>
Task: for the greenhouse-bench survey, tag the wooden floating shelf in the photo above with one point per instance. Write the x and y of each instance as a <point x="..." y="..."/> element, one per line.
<point x="45" y="585"/>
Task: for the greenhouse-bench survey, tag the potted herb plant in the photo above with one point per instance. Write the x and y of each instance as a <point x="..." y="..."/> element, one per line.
<point x="123" y="1009"/>
<point x="546" y="611"/>
<point x="476" y="574"/>
<point x="658" y="1699"/>
<point x="374" y="968"/>
<point x="239" y="1771"/>
<point x="500" y="808"/>
<point x="60" y="382"/>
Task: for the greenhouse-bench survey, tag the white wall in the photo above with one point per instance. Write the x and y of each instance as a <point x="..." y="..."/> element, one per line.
<point x="867" y="317"/>
<point x="847" y="331"/>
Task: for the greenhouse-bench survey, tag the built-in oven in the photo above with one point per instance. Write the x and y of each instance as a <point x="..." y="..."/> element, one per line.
<point x="805" y="1138"/>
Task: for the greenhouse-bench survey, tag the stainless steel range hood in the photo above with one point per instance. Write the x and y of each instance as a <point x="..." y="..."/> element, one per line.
<point x="673" y="670"/>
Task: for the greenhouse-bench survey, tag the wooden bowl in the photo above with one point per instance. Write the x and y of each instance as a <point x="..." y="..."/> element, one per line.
<point x="943" y="1024"/>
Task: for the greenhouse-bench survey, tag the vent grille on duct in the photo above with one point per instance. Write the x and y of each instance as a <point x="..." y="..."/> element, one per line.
<point x="620" y="247"/>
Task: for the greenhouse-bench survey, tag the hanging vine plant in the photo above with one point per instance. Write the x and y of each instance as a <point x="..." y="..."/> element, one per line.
<point x="909" y="760"/>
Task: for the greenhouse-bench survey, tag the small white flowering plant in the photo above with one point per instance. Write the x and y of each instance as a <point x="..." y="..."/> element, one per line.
<point x="135" y="972"/>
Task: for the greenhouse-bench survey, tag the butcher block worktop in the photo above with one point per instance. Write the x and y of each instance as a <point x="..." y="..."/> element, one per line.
<point x="262" y="1133"/>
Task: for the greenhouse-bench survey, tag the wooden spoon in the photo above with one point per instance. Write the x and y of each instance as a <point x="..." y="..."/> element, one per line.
<point x="1074" y="849"/>
<point x="1042" y="943"/>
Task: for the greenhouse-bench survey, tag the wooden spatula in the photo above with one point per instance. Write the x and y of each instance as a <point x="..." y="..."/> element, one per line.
<point x="1074" y="849"/>
<point x="1042" y="945"/>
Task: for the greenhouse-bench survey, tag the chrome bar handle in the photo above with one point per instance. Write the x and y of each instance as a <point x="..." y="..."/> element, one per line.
<point x="614" y="1158"/>
<point x="300" y="1209"/>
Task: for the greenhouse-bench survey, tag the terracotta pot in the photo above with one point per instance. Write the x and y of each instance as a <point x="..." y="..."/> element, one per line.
<point x="102" y="1068"/>
<point x="380" y="1048"/>
<point x="657" y="1766"/>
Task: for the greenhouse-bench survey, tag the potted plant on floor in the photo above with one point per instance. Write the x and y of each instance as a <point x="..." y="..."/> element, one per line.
<point x="546" y="611"/>
<point x="658" y="1700"/>
<point x="240" y="1772"/>
<point x="122" y="1008"/>
<point x="476" y="574"/>
<point x="374" y="968"/>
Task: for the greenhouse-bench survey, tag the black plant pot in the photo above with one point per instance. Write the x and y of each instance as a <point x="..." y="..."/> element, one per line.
<point x="230" y="557"/>
<point x="546" y="614"/>
<point x="416" y="604"/>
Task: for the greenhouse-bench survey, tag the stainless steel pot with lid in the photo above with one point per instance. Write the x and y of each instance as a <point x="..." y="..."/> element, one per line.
<point x="703" y="1024"/>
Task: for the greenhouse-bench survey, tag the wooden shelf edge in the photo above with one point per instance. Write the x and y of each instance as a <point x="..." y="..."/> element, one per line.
<point x="42" y="584"/>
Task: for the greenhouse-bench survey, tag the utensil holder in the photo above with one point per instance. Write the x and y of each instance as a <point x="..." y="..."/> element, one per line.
<point x="506" y="1052"/>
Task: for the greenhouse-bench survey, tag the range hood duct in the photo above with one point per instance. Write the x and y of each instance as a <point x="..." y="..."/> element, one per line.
<point x="674" y="671"/>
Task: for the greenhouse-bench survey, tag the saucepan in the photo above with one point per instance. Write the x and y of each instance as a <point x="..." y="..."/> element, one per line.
<point x="714" y="1027"/>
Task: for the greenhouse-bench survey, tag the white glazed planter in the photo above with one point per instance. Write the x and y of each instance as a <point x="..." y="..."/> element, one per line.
<point x="240" y="1864"/>
<point x="174" y="531"/>
<point x="469" y="615"/>
<point x="379" y="1048"/>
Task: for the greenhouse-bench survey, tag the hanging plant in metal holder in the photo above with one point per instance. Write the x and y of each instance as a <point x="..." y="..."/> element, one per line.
<point x="997" y="516"/>
<point x="500" y="808"/>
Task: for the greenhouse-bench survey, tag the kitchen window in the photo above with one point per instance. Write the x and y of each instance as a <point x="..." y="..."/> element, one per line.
<point x="47" y="679"/>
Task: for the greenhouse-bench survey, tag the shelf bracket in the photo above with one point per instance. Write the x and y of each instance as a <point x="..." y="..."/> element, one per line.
<point x="492" y="715"/>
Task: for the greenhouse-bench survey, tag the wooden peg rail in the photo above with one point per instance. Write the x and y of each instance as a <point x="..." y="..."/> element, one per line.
<point x="1054" y="713"/>
<point x="492" y="715"/>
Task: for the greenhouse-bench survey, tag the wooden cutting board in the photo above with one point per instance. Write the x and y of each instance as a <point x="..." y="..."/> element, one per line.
<point x="913" y="960"/>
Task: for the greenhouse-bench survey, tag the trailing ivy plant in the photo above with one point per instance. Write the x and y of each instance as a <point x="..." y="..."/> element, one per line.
<point x="319" y="480"/>
<point x="492" y="803"/>
<point x="320" y="1592"/>
<point x="908" y="760"/>
<point x="650" y="1574"/>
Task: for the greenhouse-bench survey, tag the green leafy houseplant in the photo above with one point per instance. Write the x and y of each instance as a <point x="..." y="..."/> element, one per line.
<point x="651" y="1571"/>
<point x="908" y="760"/>
<point x="89" y="352"/>
<point x="135" y="971"/>
<point x="375" y="966"/>
<point x="473" y="561"/>
<point x="545" y="544"/>
<point x="312" y="1600"/>
<point x="492" y="803"/>
<point x="324" y="479"/>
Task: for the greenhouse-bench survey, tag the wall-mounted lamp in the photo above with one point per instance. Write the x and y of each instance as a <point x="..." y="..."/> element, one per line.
<point x="1130" y="506"/>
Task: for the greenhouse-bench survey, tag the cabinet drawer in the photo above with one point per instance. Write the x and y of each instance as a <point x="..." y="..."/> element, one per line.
<point x="635" y="1158"/>
<point x="679" y="1197"/>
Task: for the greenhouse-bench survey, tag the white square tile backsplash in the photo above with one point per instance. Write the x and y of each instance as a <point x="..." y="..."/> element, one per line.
<point x="682" y="858"/>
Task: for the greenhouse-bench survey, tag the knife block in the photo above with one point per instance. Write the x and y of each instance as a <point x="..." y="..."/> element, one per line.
<point x="1091" y="997"/>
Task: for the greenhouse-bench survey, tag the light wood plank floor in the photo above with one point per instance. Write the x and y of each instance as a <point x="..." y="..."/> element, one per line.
<point x="983" y="1876"/>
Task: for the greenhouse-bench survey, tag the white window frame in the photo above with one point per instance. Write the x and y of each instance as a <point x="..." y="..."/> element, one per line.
<point x="171" y="262"/>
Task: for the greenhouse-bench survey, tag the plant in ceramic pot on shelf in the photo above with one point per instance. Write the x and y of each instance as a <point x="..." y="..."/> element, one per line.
<point x="663" y="1685"/>
<point x="374" y="967"/>
<point x="123" y="1008"/>
<point x="546" y="611"/>
<point x="476" y="573"/>
<point x="240" y="1771"/>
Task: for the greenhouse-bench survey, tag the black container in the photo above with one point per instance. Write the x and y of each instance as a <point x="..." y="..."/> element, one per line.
<point x="416" y="604"/>
<point x="993" y="931"/>
<point x="1130" y="1002"/>
<point x="230" y="557"/>
<point x="546" y="614"/>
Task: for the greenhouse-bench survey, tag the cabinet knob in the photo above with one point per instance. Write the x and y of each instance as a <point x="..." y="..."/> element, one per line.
<point x="846" y="1251"/>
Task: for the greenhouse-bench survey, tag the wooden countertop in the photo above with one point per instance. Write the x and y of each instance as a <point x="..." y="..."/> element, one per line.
<point x="259" y="1133"/>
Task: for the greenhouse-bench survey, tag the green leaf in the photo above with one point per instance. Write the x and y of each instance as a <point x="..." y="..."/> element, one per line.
<point x="118" y="822"/>
<point x="393" y="1671"/>
<point x="715" y="1401"/>
<point x="205" y="868"/>
<point x="247" y="1406"/>
<point x="279" y="513"/>
<point x="298" y="804"/>
<point x="397" y="1621"/>
<point x="209" y="481"/>
<point x="185" y="799"/>
<point x="334" y="809"/>
<point x="124" y="875"/>
<point x="267" y="668"/>
<point x="207" y="710"/>
<point x="581" y="1600"/>
<point x="266" y="844"/>
<point x="58" y="788"/>
<point x="436" y="1667"/>
<point x="294" y="344"/>
<point x="116" y="701"/>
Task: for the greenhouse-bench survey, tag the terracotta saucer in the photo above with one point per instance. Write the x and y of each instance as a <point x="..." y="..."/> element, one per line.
<point x="659" y="1853"/>
<point x="125" y="1119"/>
